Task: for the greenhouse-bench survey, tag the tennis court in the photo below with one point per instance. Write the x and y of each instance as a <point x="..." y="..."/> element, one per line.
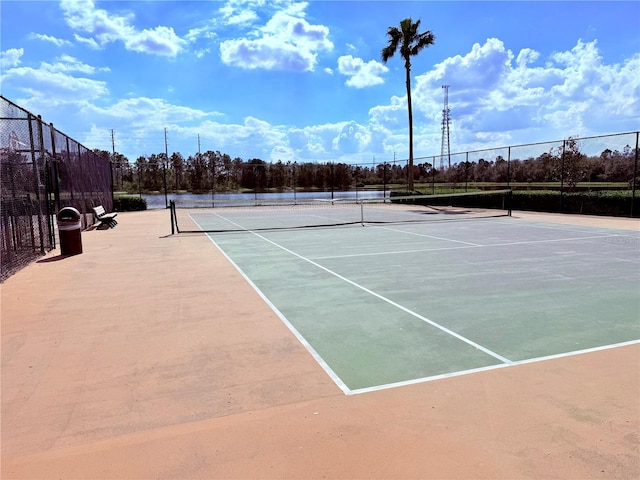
<point x="191" y="374"/>
<point x="386" y="304"/>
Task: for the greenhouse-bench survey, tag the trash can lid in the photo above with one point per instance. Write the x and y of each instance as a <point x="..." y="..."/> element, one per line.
<point x="68" y="213"/>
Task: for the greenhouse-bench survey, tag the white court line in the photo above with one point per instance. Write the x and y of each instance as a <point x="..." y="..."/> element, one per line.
<point x="554" y="240"/>
<point x="333" y="375"/>
<point x="385" y="299"/>
<point x="490" y="245"/>
<point x="415" y="381"/>
<point x="561" y="227"/>
<point x="432" y="236"/>
<point x="393" y="252"/>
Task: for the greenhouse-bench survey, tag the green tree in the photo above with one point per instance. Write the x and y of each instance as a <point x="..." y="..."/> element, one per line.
<point x="152" y="179"/>
<point x="141" y="167"/>
<point x="178" y="167"/>
<point x="410" y="43"/>
<point x="568" y="162"/>
<point x="277" y="175"/>
<point x="197" y="173"/>
<point x="224" y="172"/>
<point x="254" y="175"/>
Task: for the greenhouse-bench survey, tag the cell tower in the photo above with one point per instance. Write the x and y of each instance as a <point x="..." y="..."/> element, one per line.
<point x="445" y="149"/>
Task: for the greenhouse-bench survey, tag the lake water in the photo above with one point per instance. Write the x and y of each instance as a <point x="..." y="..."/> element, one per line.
<point x="221" y="199"/>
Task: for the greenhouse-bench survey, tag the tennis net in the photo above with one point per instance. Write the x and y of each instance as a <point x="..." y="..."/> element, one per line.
<point x="194" y="216"/>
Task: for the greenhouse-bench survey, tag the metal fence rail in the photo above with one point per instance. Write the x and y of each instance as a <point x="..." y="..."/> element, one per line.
<point x="41" y="171"/>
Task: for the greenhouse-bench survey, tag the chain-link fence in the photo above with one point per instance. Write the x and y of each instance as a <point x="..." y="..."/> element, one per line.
<point x="41" y="171"/>
<point x="571" y="166"/>
<point x="594" y="162"/>
<point x="587" y="164"/>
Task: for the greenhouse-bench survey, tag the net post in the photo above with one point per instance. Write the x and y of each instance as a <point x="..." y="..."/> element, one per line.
<point x="172" y="211"/>
<point x="362" y="212"/>
<point x="509" y="199"/>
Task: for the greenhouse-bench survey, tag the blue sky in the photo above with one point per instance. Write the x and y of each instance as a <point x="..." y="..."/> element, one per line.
<point x="287" y="80"/>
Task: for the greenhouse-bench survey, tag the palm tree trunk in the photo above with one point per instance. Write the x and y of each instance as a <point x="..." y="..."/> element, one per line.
<point x="410" y="166"/>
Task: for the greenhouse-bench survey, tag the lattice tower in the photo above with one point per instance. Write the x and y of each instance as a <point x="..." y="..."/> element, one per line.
<point x="445" y="149"/>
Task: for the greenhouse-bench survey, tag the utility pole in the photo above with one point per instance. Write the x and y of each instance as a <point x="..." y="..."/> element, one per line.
<point x="113" y="156"/>
<point x="164" y="169"/>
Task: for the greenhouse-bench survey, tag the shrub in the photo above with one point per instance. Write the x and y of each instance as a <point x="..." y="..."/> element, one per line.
<point x="129" y="203"/>
<point x="607" y="202"/>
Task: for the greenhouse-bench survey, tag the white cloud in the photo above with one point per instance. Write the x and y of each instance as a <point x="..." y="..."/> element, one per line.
<point x="89" y="42"/>
<point x="392" y="116"/>
<point x="266" y="53"/>
<point x="482" y="68"/>
<point x="254" y="138"/>
<point x="353" y="138"/>
<point x="56" y="82"/>
<point x="298" y="31"/>
<point x="526" y="57"/>
<point x="101" y="25"/>
<point x="67" y="63"/>
<point x="106" y="27"/>
<point x="282" y="153"/>
<point x="340" y="141"/>
<point x="361" y="74"/>
<point x="55" y="87"/>
<point x="285" y="42"/>
<point x="10" y="58"/>
<point x="242" y="17"/>
<point x="201" y="32"/>
<point x="241" y="12"/>
<point x="158" y="41"/>
<point x="153" y="113"/>
<point x="140" y="124"/>
<point x="59" y="42"/>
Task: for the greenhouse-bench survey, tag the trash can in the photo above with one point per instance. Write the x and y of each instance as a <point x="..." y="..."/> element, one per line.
<point x="69" y="228"/>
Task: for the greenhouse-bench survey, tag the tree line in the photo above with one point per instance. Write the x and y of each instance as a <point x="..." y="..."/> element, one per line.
<point x="213" y="170"/>
<point x="216" y="171"/>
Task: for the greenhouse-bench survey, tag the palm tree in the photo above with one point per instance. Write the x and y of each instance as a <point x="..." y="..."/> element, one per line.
<point x="411" y="43"/>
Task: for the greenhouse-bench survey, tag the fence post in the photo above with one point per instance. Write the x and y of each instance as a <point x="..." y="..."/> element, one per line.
<point x="509" y="167"/>
<point x="83" y="186"/>
<point x="111" y="167"/>
<point x="331" y="178"/>
<point x="164" y="180"/>
<point x="213" y="180"/>
<point x="55" y="172"/>
<point x="635" y="176"/>
<point x="55" y="184"/>
<point x="295" y="186"/>
<point x="384" y="180"/>
<point x="36" y="186"/>
<point x="355" y="176"/>
<point x="564" y="142"/>
<point x="433" y="176"/>
<point x="36" y="172"/>
<point x="466" y="172"/>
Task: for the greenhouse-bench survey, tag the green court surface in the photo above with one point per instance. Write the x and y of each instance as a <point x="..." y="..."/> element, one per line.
<point x="385" y="305"/>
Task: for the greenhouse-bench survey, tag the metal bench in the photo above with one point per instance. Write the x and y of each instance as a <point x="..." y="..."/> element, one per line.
<point x="105" y="218"/>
